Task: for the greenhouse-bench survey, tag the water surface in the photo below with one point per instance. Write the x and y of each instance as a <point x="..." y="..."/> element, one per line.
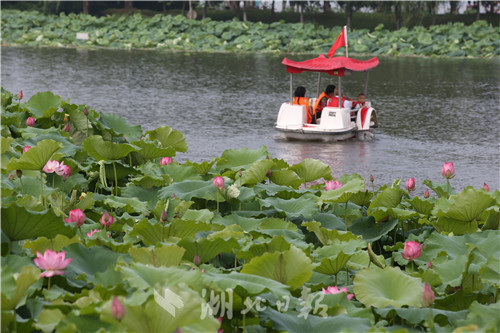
<point x="430" y="110"/>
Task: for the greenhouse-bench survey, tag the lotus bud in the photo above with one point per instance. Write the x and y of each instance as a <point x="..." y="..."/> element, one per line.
<point x="219" y="182"/>
<point x="196" y="260"/>
<point x="426" y="193"/>
<point x="30" y="122"/>
<point x="412" y="250"/>
<point x="66" y="117"/>
<point x="123" y="139"/>
<point x="165" y="161"/>
<point x="11" y="176"/>
<point x="117" y="309"/>
<point x="410" y="184"/>
<point x="448" y="170"/>
<point x="486" y="187"/>
<point x="86" y="112"/>
<point x="372" y="179"/>
<point x="66" y="127"/>
<point x="267" y="157"/>
<point x="428" y="296"/>
<point x="173" y="196"/>
<point x="76" y="216"/>
<point x="146" y="214"/>
<point x="19" y="173"/>
<point x="429" y="264"/>
<point x="20" y="95"/>
<point x="106" y="220"/>
<point x="240" y="174"/>
<point x="25" y="149"/>
<point x="269" y="173"/>
<point x="163" y="217"/>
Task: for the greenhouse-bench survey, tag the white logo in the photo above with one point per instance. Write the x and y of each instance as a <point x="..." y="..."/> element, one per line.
<point x="169" y="301"/>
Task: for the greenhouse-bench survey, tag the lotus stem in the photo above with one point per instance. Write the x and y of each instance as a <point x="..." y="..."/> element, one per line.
<point x="22" y="186"/>
<point x="62" y="195"/>
<point x="345" y="216"/>
<point x="448" y="187"/>
<point x="217" y="199"/>
<point x="346" y="276"/>
<point x="41" y="188"/>
<point x="87" y="126"/>
<point x="116" y="179"/>
<point x="49" y="283"/>
<point x="432" y="318"/>
<point x="53" y="181"/>
<point x="162" y="228"/>
<point x="244" y="326"/>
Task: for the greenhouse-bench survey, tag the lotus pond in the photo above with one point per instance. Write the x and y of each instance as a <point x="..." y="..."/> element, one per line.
<point x="104" y="230"/>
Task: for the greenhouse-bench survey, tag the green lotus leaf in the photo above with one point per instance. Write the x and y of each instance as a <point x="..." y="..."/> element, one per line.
<point x="202" y="168"/>
<point x="55" y="244"/>
<point x="19" y="223"/>
<point x="422" y="206"/>
<point x="143" y="276"/>
<point x="387" y="287"/>
<point x="257" y="172"/>
<point x="6" y="142"/>
<point x="73" y="322"/>
<point x="452" y="272"/>
<point x="149" y="150"/>
<point x="296" y="322"/>
<point x="344" y="193"/>
<point x="49" y="319"/>
<point x="310" y="169"/>
<point x="180" y="173"/>
<point x="304" y="206"/>
<point x="350" y="246"/>
<point x="361" y="198"/>
<point x="201" y="215"/>
<point x="333" y="265"/>
<point x="235" y="160"/>
<point x="481" y="317"/>
<point x="99" y="149"/>
<point x="139" y="192"/>
<point x="260" y="246"/>
<point x="150" y="316"/>
<point x="247" y="223"/>
<point x="492" y="221"/>
<point x="286" y="177"/>
<point x="166" y="255"/>
<point x="361" y="260"/>
<point x="246" y="285"/>
<point x="36" y="157"/>
<point x="419" y="315"/>
<point x="33" y="135"/>
<point x="232" y="231"/>
<point x="15" y="288"/>
<point x="388" y="198"/>
<point x="291" y="267"/>
<point x="77" y="118"/>
<point x="189" y="189"/>
<point x="44" y="104"/>
<point x="467" y="206"/>
<point x="129" y="205"/>
<point x="371" y="230"/>
<point x="89" y="261"/>
<point x="207" y="249"/>
<point x="440" y="189"/>
<point x="150" y="233"/>
<point x="327" y="236"/>
<point x="119" y="127"/>
<point x="457" y="227"/>
<point x="10" y="118"/>
<point x="169" y="138"/>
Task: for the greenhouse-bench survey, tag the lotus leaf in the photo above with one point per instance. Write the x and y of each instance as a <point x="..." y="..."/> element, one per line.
<point x="44" y="104"/>
<point x="169" y="138"/>
<point x="36" y="157"/>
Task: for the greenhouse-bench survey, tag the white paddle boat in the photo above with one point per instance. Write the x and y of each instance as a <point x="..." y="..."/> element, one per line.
<point x="336" y="123"/>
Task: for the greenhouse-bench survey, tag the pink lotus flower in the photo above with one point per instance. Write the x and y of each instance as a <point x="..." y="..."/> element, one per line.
<point x="25" y="149"/>
<point x="219" y="182"/>
<point x="117" y="309"/>
<point x="331" y="185"/>
<point x="106" y="220"/>
<point x="165" y="161"/>
<point x="410" y="184"/>
<point x="30" y="122"/>
<point x="89" y="234"/>
<point x="428" y="295"/>
<point x="220" y="323"/>
<point x="486" y="187"/>
<point x="64" y="170"/>
<point x="335" y="290"/>
<point x="66" y="127"/>
<point x="448" y="170"/>
<point x="52" y="262"/>
<point x="76" y="216"/>
<point x="20" y="95"/>
<point x="412" y="250"/>
<point x="427" y="194"/>
<point x="51" y="166"/>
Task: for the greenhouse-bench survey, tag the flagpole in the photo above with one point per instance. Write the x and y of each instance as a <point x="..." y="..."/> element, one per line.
<point x="345" y="37"/>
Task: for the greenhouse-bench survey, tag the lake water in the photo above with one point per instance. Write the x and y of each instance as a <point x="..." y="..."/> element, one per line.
<point x="430" y="111"/>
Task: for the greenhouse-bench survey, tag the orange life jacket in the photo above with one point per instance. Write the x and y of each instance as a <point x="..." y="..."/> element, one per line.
<point x="304" y="101"/>
<point x="334" y="102"/>
<point x="315" y="109"/>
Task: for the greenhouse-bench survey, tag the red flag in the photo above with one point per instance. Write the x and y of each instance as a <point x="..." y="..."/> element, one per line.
<point x="341" y="41"/>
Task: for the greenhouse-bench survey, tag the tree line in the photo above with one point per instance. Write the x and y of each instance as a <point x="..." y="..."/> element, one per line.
<point x="393" y="14"/>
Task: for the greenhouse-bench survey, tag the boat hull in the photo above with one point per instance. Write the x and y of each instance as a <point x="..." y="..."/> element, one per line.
<point x="323" y="136"/>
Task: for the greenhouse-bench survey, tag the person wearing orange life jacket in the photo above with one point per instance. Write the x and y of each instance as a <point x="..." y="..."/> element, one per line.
<point x="334" y="101"/>
<point x="321" y="102"/>
<point x="299" y="99"/>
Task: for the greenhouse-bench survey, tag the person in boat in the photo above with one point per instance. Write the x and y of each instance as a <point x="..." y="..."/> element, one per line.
<point x="300" y="99"/>
<point x="360" y="103"/>
<point x="334" y="100"/>
<point x="321" y="102"/>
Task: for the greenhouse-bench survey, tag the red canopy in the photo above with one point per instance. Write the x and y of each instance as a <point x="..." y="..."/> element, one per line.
<point x="333" y="66"/>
